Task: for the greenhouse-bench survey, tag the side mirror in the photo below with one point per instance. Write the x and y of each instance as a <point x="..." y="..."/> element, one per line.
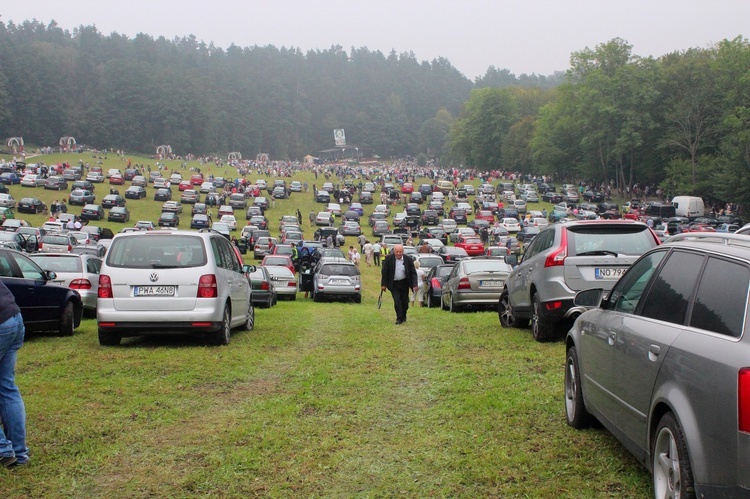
<point x="249" y="269"/>
<point x="589" y="298"/>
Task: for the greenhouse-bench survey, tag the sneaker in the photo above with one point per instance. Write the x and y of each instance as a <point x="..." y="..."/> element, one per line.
<point x="7" y="461"/>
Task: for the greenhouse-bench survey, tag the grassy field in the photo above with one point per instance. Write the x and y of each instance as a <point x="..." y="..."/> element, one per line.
<point x="321" y="399"/>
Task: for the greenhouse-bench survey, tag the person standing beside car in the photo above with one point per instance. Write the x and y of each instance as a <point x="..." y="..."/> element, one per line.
<point x="399" y="276"/>
<point x="13" y="450"/>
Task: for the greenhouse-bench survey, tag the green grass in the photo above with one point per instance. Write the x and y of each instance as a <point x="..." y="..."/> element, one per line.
<point x="321" y="399"/>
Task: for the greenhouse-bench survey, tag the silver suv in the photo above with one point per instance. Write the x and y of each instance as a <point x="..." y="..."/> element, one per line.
<point x="336" y="278"/>
<point x="664" y="364"/>
<point x="563" y="259"/>
<point x="172" y="282"/>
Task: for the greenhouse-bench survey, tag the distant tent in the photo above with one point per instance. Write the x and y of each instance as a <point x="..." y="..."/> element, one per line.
<point x="310" y="159"/>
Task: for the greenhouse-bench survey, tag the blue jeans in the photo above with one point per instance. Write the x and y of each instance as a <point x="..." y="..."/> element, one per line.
<point x="12" y="410"/>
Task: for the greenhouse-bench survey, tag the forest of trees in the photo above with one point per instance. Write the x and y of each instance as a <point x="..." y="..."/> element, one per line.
<point x="681" y="121"/>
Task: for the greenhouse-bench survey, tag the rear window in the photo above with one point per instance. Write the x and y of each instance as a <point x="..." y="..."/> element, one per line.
<point x="334" y="269"/>
<point x="58" y="264"/>
<point x="157" y="251"/>
<point x="62" y="240"/>
<point x="628" y="240"/>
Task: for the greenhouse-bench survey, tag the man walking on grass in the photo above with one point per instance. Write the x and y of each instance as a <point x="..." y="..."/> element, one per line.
<point x="399" y="276"/>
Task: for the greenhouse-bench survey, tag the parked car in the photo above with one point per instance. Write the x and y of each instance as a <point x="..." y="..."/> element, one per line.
<point x="176" y="282"/>
<point x="474" y="283"/>
<point x="562" y="260"/>
<point x="92" y="212"/>
<point x="112" y="200"/>
<point x="32" y="180"/>
<point x="200" y="221"/>
<point x="434" y="279"/>
<point x="452" y="254"/>
<point x="168" y="219"/>
<point x="283" y="280"/>
<point x="264" y="292"/>
<point x="81" y="197"/>
<point x="661" y="362"/>
<point x="31" y="205"/>
<point x="75" y="271"/>
<point x="162" y="194"/>
<point x="44" y="305"/>
<point x="119" y="214"/>
<point x="135" y="192"/>
<point x="55" y="183"/>
<point x="7" y="201"/>
<point x="336" y="278"/>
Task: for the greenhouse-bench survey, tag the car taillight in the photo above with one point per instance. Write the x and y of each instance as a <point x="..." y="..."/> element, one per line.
<point x="464" y="283"/>
<point x="207" y="287"/>
<point x="105" y="286"/>
<point x="435" y="283"/>
<point x="80" y="284"/>
<point x="743" y="400"/>
<point x="291" y="284"/>
<point x="264" y="286"/>
<point x="70" y="248"/>
<point x="558" y="256"/>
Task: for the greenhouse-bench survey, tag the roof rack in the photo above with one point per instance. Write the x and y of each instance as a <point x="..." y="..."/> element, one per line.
<point x="725" y="238"/>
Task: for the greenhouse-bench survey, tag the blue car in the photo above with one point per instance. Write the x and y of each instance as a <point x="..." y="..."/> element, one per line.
<point x="10" y="178"/>
<point x="44" y="305"/>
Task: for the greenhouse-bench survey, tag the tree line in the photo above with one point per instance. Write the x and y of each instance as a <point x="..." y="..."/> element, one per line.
<point x="679" y="122"/>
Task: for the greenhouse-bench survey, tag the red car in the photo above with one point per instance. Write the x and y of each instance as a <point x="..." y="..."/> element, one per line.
<point x="116" y="180"/>
<point x="407" y="188"/>
<point x="485" y="215"/>
<point x="472" y="245"/>
<point x="278" y="260"/>
<point x="196" y="179"/>
<point x="184" y="185"/>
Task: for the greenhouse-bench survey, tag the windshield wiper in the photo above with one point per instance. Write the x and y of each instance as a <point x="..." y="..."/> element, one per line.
<point x="598" y="252"/>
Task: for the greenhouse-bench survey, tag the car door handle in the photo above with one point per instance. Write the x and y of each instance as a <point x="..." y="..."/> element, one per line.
<point x="611" y="338"/>
<point x="653" y="352"/>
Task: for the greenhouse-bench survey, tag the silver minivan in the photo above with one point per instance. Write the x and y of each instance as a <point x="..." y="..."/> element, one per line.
<point x="173" y="282"/>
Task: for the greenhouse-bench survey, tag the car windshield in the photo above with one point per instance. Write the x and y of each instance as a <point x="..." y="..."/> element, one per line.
<point x="157" y="251"/>
<point x="474" y="266"/>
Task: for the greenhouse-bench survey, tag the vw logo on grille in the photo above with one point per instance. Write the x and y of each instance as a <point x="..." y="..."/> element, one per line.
<point x="154" y="277"/>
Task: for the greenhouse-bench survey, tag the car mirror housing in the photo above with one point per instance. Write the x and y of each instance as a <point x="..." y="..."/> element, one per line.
<point x="589" y="298"/>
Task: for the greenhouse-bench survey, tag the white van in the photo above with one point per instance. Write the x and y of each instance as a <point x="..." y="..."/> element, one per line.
<point x="688" y="206"/>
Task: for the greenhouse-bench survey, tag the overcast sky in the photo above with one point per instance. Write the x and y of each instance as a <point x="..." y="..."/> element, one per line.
<point x="524" y="36"/>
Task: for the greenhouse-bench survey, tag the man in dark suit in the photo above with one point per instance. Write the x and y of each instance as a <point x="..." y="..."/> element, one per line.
<point x="399" y="276"/>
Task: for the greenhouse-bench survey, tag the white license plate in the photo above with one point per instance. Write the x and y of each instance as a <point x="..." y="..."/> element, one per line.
<point x="153" y="290"/>
<point x="609" y="273"/>
<point x="339" y="281"/>
<point x="490" y="284"/>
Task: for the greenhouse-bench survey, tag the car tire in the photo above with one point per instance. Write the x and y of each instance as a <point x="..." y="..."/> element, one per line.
<point x="317" y="298"/>
<point x="505" y="313"/>
<point x="221" y="337"/>
<point x="575" y="408"/>
<point x="672" y="473"/>
<point x="358" y="299"/>
<point x="452" y="307"/>
<point x="250" y="320"/>
<point x="541" y="329"/>
<point x="109" y="339"/>
<point x="67" y="322"/>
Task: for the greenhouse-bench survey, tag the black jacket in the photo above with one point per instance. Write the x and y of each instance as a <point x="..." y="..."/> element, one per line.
<point x="388" y="269"/>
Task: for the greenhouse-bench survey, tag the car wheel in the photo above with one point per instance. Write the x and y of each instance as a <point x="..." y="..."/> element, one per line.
<point x="541" y="329"/>
<point x="672" y="476"/>
<point x="108" y="339"/>
<point x="575" y="409"/>
<point x="317" y="298"/>
<point x="358" y="299"/>
<point x="452" y="307"/>
<point x="505" y="313"/>
<point x="66" y="320"/>
<point x="250" y="320"/>
<point x="221" y="337"/>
